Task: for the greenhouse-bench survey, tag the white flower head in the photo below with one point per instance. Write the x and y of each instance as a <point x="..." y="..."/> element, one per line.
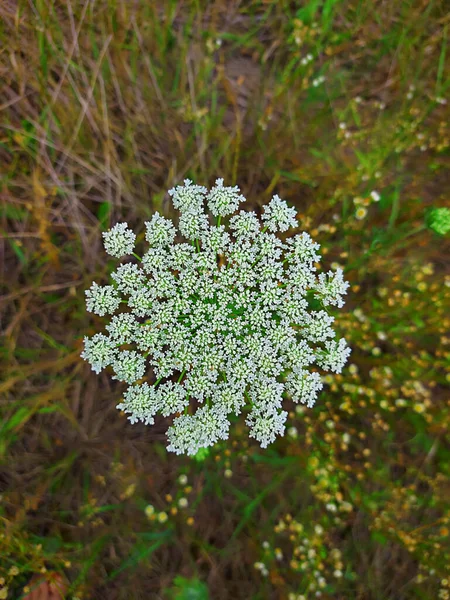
<point x="123" y="328"/>
<point x="223" y="201"/>
<point x="102" y="300"/>
<point x="141" y="403"/>
<point x="99" y="351"/>
<point x="159" y="231"/>
<point x="245" y="225"/>
<point x="278" y="216"/>
<point x="188" y="197"/>
<point x="129" y="366"/>
<point x="331" y="287"/>
<point x="129" y="278"/>
<point x="119" y="241"/>
<point x="265" y="425"/>
<point x="304" y="386"/>
<point x="218" y="323"/>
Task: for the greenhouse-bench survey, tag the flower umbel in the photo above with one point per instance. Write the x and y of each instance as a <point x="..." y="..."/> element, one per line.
<point x="220" y="321"/>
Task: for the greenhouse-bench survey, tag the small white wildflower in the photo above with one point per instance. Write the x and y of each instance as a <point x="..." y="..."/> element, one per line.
<point x="331" y="287"/>
<point x="304" y="249"/>
<point x="193" y="224"/>
<point x="129" y="366"/>
<point x="278" y="216"/>
<point x="123" y="328"/>
<point x="119" y="241"/>
<point x="375" y="196"/>
<point x="304" y="386"/>
<point x="188" y="197"/>
<point x="360" y="213"/>
<point x="159" y="231"/>
<point x="223" y="201"/>
<point x="220" y="323"/>
<point x="265" y="425"/>
<point x="141" y="403"/>
<point x="172" y="398"/>
<point x="102" y="300"/>
<point x="245" y="225"/>
<point x="292" y="432"/>
<point x="129" y="278"/>
<point x="100" y="351"/>
<point x="335" y="356"/>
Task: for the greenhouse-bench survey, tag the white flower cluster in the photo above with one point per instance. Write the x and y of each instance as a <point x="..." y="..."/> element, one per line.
<point x="234" y="320"/>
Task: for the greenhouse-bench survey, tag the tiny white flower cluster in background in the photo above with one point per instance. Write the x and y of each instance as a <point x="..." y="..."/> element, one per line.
<point x="228" y="319"/>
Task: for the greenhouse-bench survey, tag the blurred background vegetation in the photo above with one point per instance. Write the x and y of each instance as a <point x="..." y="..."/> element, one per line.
<point x="340" y="107"/>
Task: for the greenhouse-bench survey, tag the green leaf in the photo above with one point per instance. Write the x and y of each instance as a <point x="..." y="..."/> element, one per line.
<point x="188" y="589"/>
<point x="104" y="210"/>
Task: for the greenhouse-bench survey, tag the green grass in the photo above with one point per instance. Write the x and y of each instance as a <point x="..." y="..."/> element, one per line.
<point x="107" y="105"/>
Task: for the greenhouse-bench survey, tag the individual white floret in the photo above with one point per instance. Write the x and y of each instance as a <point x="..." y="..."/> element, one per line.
<point x="300" y="277"/>
<point x="300" y="355"/>
<point x="222" y="200"/>
<point x="188" y="197"/>
<point x="304" y="386"/>
<point x="241" y="253"/>
<point x="230" y="397"/>
<point x="266" y="425"/>
<point x="192" y="224"/>
<point x="199" y="384"/>
<point x="181" y="256"/>
<point x="278" y="216"/>
<point x="159" y="231"/>
<point x="129" y="278"/>
<point x="102" y="300"/>
<point x="189" y="433"/>
<point x="142" y="301"/>
<point x="269" y="246"/>
<point x="156" y="260"/>
<point x="119" y="241"/>
<point x="141" y="403"/>
<point x="172" y="398"/>
<point x="318" y="328"/>
<point x="183" y="435"/>
<point x="304" y="249"/>
<point x="99" y="351"/>
<point x="281" y="335"/>
<point x="331" y="287"/>
<point x="245" y="225"/>
<point x="266" y="393"/>
<point x="123" y="328"/>
<point x="335" y="355"/>
<point x="149" y="338"/>
<point x="215" y="239"/>
<point x="129" y="366"/>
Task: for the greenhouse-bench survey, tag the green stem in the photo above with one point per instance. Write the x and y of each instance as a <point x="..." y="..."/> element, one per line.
<point x="219" y="218"/>
<point x="137" y="256"/>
